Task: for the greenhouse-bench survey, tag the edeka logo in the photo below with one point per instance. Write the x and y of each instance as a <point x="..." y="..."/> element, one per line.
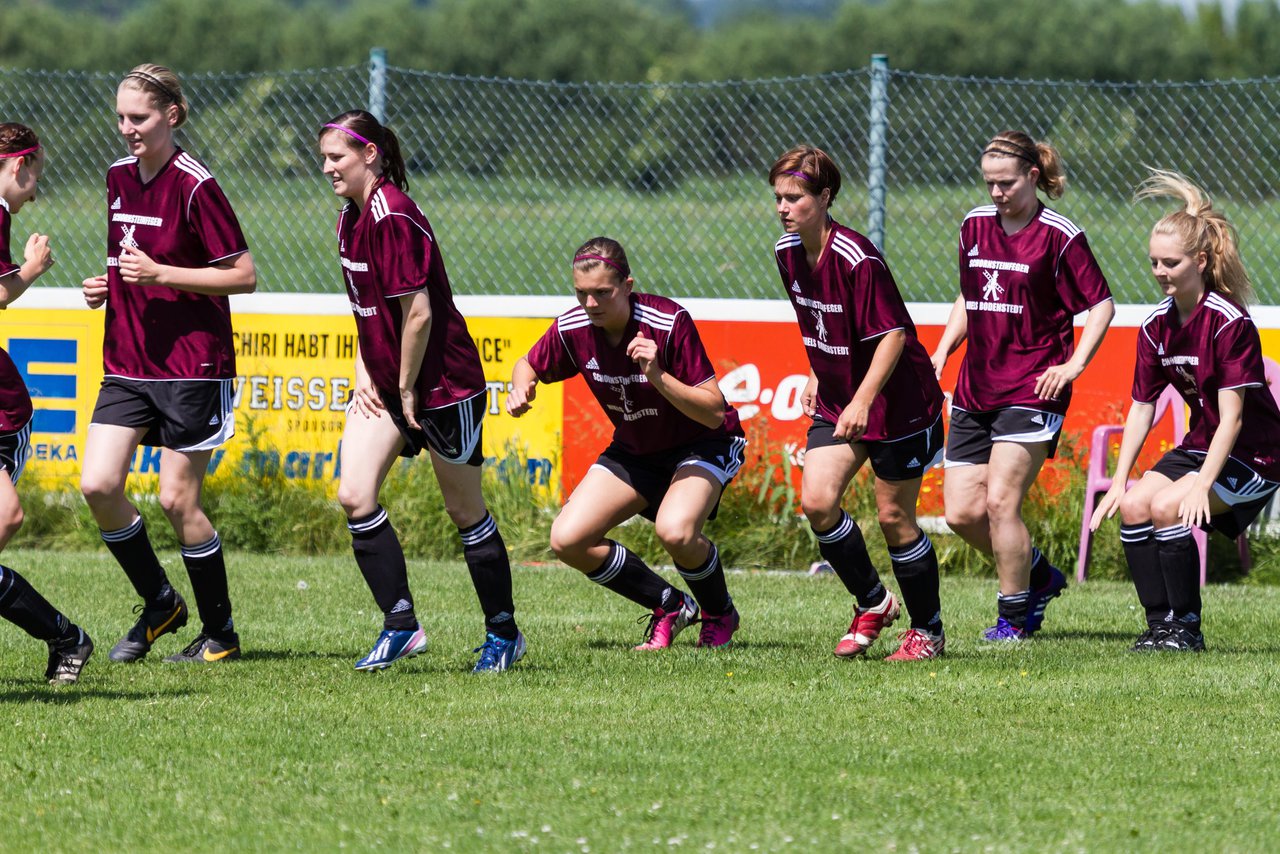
<point x="48" y="351"/>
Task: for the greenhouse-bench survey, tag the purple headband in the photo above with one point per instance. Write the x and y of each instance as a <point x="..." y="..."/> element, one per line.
<point x="23" y="153"/>
<point x="349" y="132"/>
<point x="608" y="261"/>
<point x="799" y="175"/>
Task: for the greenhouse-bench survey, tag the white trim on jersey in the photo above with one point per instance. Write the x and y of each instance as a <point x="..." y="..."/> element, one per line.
<point x="225" y="257"/>
<point x="574" y="318"/>
<point x="882" y="334"/>
<point x="786" y="241"/>
<point x="1153" y="317"/>
<point x="1060" y="222"/>
<point x="1220" y="305"/>
<point x="123" y="161"/>
<point x="655" y="318"/>
<point x="981" y="210"/>
<point x="848" y="250"/>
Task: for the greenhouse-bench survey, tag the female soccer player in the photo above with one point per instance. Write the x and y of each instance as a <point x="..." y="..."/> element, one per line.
<point x="1025" y="272"/>
<point x="676" y="444"/>
<point x="1201" y="340"/>
<point x="174" y="253"/>
<point x="21" y="162"/>
<point x="419" y="385"/>
<point x="872" y="395"/>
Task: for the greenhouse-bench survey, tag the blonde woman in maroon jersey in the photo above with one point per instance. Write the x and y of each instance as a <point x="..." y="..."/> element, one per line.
<point x="175" y="252"/>
<point x="1201" y="340"/>
<point x="1025" y="272"/>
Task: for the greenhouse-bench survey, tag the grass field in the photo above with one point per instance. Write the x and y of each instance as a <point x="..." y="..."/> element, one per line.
<point x="1066" y="743"/>
<point x="706" y="238"/>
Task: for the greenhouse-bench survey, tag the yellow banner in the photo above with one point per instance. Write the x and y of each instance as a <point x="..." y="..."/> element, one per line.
<point x="294" y="377"/>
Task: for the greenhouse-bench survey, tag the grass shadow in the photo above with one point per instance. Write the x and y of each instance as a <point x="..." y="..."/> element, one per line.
<point x="70" y="694"/>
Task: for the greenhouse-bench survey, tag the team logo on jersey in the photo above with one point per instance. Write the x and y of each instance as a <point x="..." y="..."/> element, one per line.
<point x="992" y="290"/>
<point x="973" y="253"/>
<point x="820" y="325"/>
<point x="592" y="364"/>
<point x="127" y="239"/>
<point x="115" y="206"/>
<point x="795" y="287"/>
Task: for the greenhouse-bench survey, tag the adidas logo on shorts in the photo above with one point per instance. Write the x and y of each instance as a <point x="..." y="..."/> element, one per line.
<point x="1037" y="419"/>
<point x="1233" y="481"/>
<point x="214" y="422"/>
<point x="914" y="464"/>
<point x="592" y="364"/>
<point x="115" y="206"/>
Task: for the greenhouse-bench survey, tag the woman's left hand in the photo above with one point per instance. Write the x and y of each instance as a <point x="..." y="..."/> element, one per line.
<point x="137" y="268"/>
<point x="409" y="406"/>
<point x="1054" y="381"/>
<point x="1194" y="510"/>
<point x="644" y="352"/>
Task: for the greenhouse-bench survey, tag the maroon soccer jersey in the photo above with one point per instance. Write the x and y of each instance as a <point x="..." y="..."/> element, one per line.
<point x="844" y="305"/>
<point x="644" y="422"/>
<point x="15" y="403"/>
<point x="388" y="251"/>
<point x="1021" y="293"/>
<point x="1217" y="349"/>
<point x="180" y="218"/>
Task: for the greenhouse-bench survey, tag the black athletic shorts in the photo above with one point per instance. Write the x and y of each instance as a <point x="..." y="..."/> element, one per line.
<point x="15" y="450"/>
<point x="651" y="474"/>
<point x="182" y="415"/>
<point x="453" y="431"/>
<point x="1245" y="491"/>
<point x="891" y="459"/>
<point x="972" y="434"/>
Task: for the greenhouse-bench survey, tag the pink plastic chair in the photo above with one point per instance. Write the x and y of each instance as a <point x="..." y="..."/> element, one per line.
<point x="1098" y="481"/>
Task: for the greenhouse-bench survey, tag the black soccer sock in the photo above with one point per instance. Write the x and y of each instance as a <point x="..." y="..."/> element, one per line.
<point x="131" y="547"/>
<point x="626" y="574"/>
<point x="1040" y="576"/>
<point x="708" y="585"/>
<point x="1141" y="554"/>
<point x="486" y="556"/>
<point x="1013" y="608"/>
<point x="844" y="548"/>
<point x="916" y="567"/>
<point x="208" y="573"/>
<point x="1180" y="565"/>
<point x="21" y="605"/>
<point x="381" y="562"/>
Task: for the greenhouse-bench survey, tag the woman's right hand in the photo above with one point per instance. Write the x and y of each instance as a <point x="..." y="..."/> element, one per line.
<point x="95" y="291"/>
<point x="520" y="399"/>
<point x="939" y="361"/>
<point x="367" y="401"/>
<point x="809" y="397"/>
<point x="39" y="252"/>
<point x="1108" y="504"/>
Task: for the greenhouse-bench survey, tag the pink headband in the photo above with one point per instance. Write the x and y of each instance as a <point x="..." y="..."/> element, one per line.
<point x="23" y="153"/>
<point x="799" y="175"/>
<point x="349" y="132"/>
<point x="608" y="261"/>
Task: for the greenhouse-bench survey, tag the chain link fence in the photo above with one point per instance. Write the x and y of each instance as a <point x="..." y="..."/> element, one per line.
<point x="515" y="174"/>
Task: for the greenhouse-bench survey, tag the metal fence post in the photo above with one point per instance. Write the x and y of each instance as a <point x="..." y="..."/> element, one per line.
<point x="877" y="134"/>
<point x="378" y="83"/>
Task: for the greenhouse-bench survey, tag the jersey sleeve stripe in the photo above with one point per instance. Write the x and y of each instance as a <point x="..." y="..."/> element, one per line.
<point x="981" y="210"/>
<point x="786" y="242"/>
<point x="881" y="333"/>
<point x="191" y="166"/>
<point x="1059" y="222"/>
<point x="656" y="319"/>
<point x="1213" y="300"/>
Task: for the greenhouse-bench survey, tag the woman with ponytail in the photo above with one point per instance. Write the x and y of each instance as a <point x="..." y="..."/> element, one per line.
<point x="419" y="385"/>
<point x="1025" y="272"/>
<point x="1202" y="341"/>
<point x="175" y="253"/>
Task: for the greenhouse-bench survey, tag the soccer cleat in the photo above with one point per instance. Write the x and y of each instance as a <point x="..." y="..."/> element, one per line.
<point x="718" y="631"/>
<point x="206" y="649"/>
<point x="1004" y="632"/>
<point x="67" y="660"/>
<point x="918" y="645"/>
<point x="1149" y="641"/>
<point x="1178" y="638"/>
<point x="393" y="645"/>
<point x="665" y="625"/>
<point x="152" y="623"/>
<point x="1039" y="599"/>
<point x="866" y="627"/>
<point x="497" y="654"/>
